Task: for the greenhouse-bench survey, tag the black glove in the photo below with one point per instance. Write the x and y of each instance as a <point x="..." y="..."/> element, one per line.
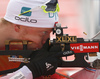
<point x="44" y="62"/>
<point x="44" y="67"/>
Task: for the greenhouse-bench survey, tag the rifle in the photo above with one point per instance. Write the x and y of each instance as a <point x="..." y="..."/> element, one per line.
<point x="67" y="43"/>
<point x="83" y="48"/>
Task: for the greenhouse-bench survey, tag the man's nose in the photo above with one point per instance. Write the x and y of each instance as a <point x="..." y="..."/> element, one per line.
<point x="44" y="40"/>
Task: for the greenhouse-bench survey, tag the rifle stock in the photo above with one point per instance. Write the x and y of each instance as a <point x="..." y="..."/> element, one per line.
<point x="11" y="60"/>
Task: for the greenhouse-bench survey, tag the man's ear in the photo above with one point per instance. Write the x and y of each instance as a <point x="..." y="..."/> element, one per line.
<point x="17" y="27"/>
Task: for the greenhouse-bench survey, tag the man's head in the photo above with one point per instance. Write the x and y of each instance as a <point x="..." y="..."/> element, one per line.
<point x="34" y="25"/>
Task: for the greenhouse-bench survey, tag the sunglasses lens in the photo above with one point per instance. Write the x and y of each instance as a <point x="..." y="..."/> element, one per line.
<point x="51" y="7"/>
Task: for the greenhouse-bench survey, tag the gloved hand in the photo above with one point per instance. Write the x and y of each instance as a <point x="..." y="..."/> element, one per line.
<point x="43" y="67"/>
<point x="44" y="62"/>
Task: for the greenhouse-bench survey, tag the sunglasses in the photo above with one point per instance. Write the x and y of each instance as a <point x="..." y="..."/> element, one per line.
<point x="51" y="6"/>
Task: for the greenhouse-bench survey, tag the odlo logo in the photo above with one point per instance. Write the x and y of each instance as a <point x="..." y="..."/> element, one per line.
<point x="25" y="19"/>
<point x="24" y="9"/>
